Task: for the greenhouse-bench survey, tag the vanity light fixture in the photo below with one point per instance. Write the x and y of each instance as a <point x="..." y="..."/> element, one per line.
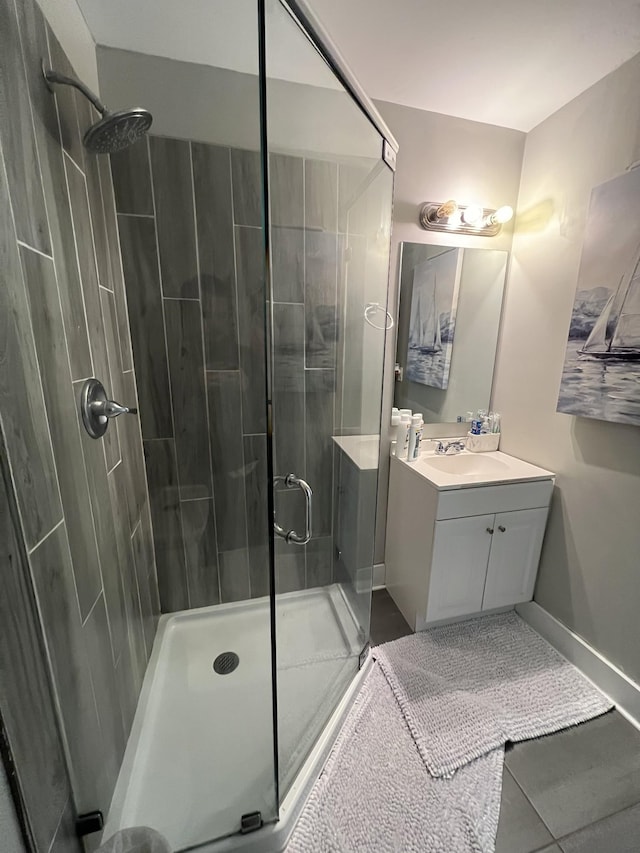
<point x="464" y="218"/>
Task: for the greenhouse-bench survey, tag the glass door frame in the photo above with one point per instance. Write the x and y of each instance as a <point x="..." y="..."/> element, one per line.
<point x="319" y="38"/>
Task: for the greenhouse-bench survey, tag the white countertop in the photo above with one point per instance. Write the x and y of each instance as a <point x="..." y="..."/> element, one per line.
<point x="363" y="450"/>
<point x="474" y="469"/>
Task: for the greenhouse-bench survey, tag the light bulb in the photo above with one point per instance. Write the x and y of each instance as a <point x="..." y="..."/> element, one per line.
<point x="446" y="210"/>
<point x="503" y="214"/>
<point x="472" y="214"/>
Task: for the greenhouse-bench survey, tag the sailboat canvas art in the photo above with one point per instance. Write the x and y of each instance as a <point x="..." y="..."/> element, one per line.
<point x="436" y="284"/>
<point x="601" y="375"/>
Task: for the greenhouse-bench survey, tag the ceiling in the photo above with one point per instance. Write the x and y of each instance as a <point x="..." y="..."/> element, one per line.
<point x="504" y="62"/>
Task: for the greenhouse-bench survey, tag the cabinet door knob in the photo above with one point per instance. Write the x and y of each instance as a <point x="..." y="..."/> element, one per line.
<point x="490" y="530"/>
<point x="501" y="528"/>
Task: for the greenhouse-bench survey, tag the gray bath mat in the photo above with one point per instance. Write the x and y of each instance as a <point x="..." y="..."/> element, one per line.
<point x="375" y="795"/>
<point x="466" y="689"/>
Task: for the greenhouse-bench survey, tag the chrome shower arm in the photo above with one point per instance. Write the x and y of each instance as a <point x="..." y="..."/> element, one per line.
<point x="52" y="76"/>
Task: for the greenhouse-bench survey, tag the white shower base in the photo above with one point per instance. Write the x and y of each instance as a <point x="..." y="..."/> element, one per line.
<point x="200" y="754"/>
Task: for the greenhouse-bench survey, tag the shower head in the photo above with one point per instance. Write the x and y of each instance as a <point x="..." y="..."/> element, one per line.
<point x="113" y="131"/>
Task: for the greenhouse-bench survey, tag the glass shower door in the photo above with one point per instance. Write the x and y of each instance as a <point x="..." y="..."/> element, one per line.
<point x="200" y="762"/>
<point x="329" y="214"/>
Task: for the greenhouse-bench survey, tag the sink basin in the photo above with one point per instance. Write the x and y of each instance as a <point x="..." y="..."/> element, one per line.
<point x="469" y="465"/>
<point x="467" y="469"/>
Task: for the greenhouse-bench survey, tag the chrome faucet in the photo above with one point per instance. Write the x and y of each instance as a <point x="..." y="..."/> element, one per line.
<point x="449" y="448"/>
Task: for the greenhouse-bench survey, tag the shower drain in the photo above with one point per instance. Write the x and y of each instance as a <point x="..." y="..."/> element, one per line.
<point x="226" y="663"/>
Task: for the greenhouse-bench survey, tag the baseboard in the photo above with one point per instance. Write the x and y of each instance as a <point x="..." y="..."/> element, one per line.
<point x="379" y="575"/>
<point x="622" y="691"/>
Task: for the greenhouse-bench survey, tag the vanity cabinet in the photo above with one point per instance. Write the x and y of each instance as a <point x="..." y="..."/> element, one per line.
<point x="484" y="562"/>
<point x="459" y="560"/>
<point x="513" y="560"/>
<point x="457" y="552"/>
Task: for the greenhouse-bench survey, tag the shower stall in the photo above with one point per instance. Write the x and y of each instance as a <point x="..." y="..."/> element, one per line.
<point x="253" y="228"/>
<point x="263" y="475"/>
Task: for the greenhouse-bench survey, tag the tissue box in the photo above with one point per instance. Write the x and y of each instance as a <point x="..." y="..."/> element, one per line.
<point x="482" y="443"/>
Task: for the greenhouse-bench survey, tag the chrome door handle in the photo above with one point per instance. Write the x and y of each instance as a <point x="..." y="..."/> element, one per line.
<point x="290" y="536"/>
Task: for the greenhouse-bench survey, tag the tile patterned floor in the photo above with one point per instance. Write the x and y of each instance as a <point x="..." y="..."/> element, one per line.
<point x="577" y="791"/>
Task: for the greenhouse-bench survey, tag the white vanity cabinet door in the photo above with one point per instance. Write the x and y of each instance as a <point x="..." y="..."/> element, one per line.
<point x="515" y="553"/>
<point x="459" y="566"/>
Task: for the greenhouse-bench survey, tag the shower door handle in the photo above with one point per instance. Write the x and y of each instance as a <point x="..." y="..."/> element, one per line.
<point x="290" y="536"/>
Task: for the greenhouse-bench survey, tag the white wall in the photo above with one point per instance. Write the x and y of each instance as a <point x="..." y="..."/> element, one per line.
<point x="70" y="28"/>
<point x="590" y="571"/>
<point x="440" y="158"/>
<point x="222" y="107"/>
<point x="187" y="100"/>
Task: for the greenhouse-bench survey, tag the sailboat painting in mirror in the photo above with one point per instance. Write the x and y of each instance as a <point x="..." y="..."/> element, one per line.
<point x="601" y="375"/>
<point x="434" y="299"/>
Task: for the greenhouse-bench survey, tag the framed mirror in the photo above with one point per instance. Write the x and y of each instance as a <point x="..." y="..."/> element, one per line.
<point x="448" y="321"/>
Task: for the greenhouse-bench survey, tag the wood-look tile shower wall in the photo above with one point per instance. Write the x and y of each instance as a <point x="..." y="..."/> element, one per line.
<point x="83" y="504"/>
<point x="190" y="224"/>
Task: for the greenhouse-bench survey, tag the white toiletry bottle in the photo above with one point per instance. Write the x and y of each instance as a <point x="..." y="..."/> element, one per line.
<point x="402" y="440"/>
<point x="411" y="444"/>
<point x="393" y="432"/>
<point x="418" y="441"/>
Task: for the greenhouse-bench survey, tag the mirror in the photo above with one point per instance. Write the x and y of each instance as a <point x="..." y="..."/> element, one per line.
<point x="450" y="306"/>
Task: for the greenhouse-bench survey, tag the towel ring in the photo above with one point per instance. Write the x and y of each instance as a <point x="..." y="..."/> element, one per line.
<point x="372" y="307"/>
